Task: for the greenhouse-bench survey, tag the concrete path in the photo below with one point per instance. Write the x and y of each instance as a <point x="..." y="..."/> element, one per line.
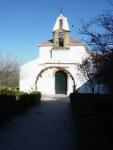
<point x="49" y="126"/>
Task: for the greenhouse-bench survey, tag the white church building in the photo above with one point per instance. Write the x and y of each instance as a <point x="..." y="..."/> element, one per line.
<point x="54" y="71"/>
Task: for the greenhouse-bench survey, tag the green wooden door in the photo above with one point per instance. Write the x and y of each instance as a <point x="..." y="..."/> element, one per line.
<point x="60" y="82"/>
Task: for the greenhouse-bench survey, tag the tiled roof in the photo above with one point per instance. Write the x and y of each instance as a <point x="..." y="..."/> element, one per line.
<point x="46" y="43"/>
<point x="50" y="42"/>
<point x="74" y="41"/>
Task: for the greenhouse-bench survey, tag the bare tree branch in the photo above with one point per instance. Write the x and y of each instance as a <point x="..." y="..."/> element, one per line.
<point x="99" y="36"/>
<point x="9" y="70"/>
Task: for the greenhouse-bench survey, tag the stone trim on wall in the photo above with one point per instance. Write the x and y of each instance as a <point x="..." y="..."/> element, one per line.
<point x="57" y="68"/>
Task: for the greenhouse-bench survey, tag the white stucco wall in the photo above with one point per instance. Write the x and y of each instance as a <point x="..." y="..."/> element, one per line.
<point x="45" y="84"/>
<point x="78" y="53"/>
<point x="66" y="59"/>
<point x="28" y="73"/>
<point x="60" y="55"/>
<point x="65" y="23"/>
<point x="44" y="52"/>
<point x="75" y="54"/>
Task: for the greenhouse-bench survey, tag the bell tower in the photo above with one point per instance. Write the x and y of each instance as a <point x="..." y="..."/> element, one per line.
<point x="61" y="33"/>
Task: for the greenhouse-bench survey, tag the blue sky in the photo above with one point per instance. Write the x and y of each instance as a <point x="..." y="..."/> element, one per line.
<point x="25" y="23"/>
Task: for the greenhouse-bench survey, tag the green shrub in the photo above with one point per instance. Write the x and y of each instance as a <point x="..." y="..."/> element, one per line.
<point x="4" y="107"/>
<point x="15" y="102"/>
<point x="93" y="116"/>
<point x="7" y="105"/>
<point x="86" y="104"/>
<point x="5" y="91"/>
<point x="80" y="106"/>
<point x="18" y="94"/>
<point x="34" y="98"/>
<point x="22" y="103"/>
<point x="12" y="103"/>
<point x="25" y="100"/>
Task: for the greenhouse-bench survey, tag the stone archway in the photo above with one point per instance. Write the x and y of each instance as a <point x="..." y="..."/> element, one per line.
<point x="58" y="68"/>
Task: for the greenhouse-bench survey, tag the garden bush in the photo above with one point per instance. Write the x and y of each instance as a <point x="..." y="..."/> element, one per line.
<point x="99" y="103"/>
<point x="25" y="100"/>
<point x="80" y="106"/>
<point x="34" y="98"/>
<point x="22" y="103"/>
<point x="93" y="116"/>
<point x="16" y="102"/>
<point x="4" y="107"/>
<point x="7" y="105"/>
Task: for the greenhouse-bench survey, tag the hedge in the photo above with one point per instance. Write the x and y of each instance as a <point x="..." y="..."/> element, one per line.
<point x="17" y="103"/>
<point x="93" y="116"/>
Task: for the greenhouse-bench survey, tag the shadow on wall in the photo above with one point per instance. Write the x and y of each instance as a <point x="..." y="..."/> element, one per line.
<point x="92" y="87"/>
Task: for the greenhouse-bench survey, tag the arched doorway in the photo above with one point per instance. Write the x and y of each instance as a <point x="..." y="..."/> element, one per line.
<point x="60" y="82"/>
<point x="54" y="67"/>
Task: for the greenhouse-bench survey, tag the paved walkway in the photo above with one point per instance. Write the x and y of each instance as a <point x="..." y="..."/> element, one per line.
<point x="49" y="126"/>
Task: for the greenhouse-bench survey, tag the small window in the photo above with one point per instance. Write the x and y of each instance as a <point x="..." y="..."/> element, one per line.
<point x="61" y="23"/>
